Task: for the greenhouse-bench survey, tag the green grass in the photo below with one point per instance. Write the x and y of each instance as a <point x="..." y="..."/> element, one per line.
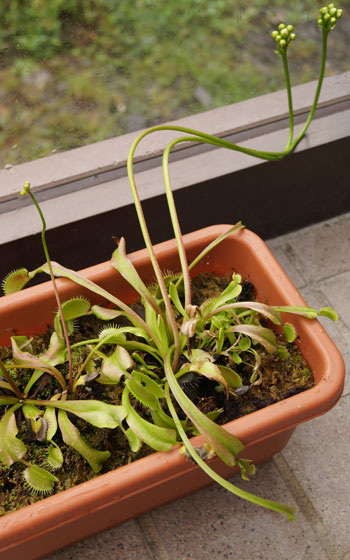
<point x="73" y="72"/>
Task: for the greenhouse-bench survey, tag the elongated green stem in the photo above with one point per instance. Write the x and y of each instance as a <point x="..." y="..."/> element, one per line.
<point x="10" y="381"/>
<point x="275" y="506"/>
<point x="153" y="258"/>
<point x="289" y="95"/>
<point x="58" y="300"/>
<point x="317" y="93"/>
<point x="173" y="214"/>
<point x="174" y="217"/>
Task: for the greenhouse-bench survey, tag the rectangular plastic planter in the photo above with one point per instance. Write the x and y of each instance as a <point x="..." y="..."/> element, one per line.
<point x="134" y="489"/>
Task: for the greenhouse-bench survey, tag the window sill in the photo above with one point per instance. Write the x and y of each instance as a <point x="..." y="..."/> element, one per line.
<point x="243" y="185"/>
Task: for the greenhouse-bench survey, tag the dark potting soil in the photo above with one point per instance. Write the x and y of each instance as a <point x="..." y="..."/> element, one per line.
<point x="278" y="379"/>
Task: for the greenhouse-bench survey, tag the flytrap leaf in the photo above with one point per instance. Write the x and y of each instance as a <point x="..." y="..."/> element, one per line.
<point x="71" y="436"/>
<point x="225" y="445"/>
<point x="145" y="390"/>
<point x="160" y="439"/>
<point x="230" y="293"/>
<point x="289" y="332"/>
<point x="72" y="309"/>
<point x="6" y="386"/>
<point x="265" y="310"/>
<point x="11" y="448"/>
<point x="160" y="418"/>
<point x="116" y="365"/>
<point x="60" y="270"/>
<point x="307" y="312"/>
<point x="54" y="456"/>
<point x="39" y="480"/>
<point x="211" y="371"/>
<point x="36" y="425"/>
<point x="141" y="394"/>
<point x="51" y="419"/>
<point x="261" y="334"/>
<point x="29" y="360"/>
<point x="211" y="246"/>
<point x="15" y="281"/>
<point x="56" y="352"/>
<point x="97" y="413"/>
<point x="121" y="262"/>
<point x="104" y="313"/>
<point x="232" y="378"/>
<point x="176" y="300"/>
<point x="329" y="312"/>
<point x="4" y="401"/>
<point x="134" y="442"/>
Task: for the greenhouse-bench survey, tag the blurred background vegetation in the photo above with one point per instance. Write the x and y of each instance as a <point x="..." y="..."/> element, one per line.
<point x="73" y="72"/>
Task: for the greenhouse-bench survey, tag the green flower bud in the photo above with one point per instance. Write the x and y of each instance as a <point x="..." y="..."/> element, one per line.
<point x="292" y="36"/>
<point x="290" y="27"/>
<point x="320" y="21"/>
<point x="281" y="26"/>
<point x="284" y="32"/>
<point x="26" y="189"/>
<point x="283" y="43"/>
<point x="333" y="20"/>
<point x="339" y="13"/>
<point x="330" y="6"/>
<point x="332" y="11"/>
<point x="274" y="34"/>
<point x="278" y="38"/>
<point x="323" y="11"/>
<point x="326" y="18"/>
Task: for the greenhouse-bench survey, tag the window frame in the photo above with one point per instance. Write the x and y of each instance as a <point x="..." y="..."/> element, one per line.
<point x="100" y="169"/>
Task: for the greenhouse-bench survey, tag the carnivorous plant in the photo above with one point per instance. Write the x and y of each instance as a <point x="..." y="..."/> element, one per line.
<point x="155" y="355"/>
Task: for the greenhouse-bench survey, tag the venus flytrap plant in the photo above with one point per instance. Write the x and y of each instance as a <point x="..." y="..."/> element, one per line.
<point x="24" y="191"/>
<point x="157" y="359"/>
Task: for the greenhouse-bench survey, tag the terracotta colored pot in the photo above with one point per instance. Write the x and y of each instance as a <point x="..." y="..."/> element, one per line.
<point x="112" y="498"/>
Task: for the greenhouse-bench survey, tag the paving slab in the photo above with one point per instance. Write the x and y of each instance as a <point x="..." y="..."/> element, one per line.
<point x="285" y="255"/>
<point x="216" y="524"/>
<point x="323" y="249"/>
<point x="338" y="331"/>
<point x="337" y="291"/>
<point x="124" y="542"/>
<point x="319" y="455"/>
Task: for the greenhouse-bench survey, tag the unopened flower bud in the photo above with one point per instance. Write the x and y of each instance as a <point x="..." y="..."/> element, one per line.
<point x="283" y="43"/>
<point x="339" y="13"/>
<point x="323" y="11"/>
<point x="281" y="26"/>
<point x="290" y="27"/>
<point x="326" y="17"/>
<point x="274" y="34"/>
<point x="292" y="36"/>
<point x="284" y="32"/>
<point x="333" y="11"/>
<point x="26" y="189"/>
